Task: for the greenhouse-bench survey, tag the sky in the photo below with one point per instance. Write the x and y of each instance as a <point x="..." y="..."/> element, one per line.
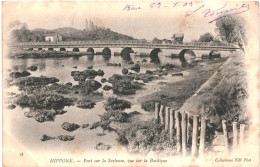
<point x="161" y="20"/>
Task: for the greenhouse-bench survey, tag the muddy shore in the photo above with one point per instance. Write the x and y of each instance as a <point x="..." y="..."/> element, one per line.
<point x="44" y="54"/>
<point x="140" y="134"/>
<point x="87" y="92"/>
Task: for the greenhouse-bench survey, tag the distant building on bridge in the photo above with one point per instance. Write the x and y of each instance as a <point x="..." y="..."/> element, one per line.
<point x="178" y="37"/>
<point x="53" y="37"/>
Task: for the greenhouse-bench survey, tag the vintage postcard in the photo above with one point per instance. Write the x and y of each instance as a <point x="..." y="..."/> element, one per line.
<point x="130" y="83"/>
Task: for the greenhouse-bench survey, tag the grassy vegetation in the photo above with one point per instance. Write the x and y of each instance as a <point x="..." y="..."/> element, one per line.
<point x="114" y="113"/>
<point x="123" y="84"/>
<point x="148" y="105"/>
<point x="176" y="93"/>
<point x="146" y="136"/>
<point x="43" y="96"/>
<point x="224" y="96"/>
<point x="44" y="101"/>
<point x="226" y="92"/>
<point x="35" y="81"/>
<point x="114" y="103"/>
<point x="85" y="103"/>
<point x="114" y="110"/>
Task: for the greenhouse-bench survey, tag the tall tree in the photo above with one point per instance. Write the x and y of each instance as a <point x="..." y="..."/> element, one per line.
<point x="232" y="29"/>
<point x="207" y="37"/>
<point x="157" y="41"/>
<point x="14" y="24"/>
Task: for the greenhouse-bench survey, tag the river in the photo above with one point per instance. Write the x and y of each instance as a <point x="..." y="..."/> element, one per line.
<point x="28" y="132"/>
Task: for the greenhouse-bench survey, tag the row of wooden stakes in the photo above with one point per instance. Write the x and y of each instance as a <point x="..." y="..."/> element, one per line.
<point x="235" y="135"/>
<point x="179" y="122"/>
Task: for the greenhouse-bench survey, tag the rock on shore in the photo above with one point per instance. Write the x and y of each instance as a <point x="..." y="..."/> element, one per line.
<point x="32" y="68"/>
<point x="102" y="146"/>
<point x="66" y="137"/>
<point x="18" y="74"/>
<point x="86" y="74"/>
<point x="46" y="137"/>
<point x="85" y="103"/>
<point x="69" y="126"/>
<point x="43" y="115"/>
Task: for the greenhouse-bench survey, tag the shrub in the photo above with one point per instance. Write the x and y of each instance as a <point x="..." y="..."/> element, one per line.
<point x="85" y="103"/>
<point x="114" y="103"/>
<point x="44" y="101"/>
<point x="35" y="81"/>
<point x="148" y="105"/>
<point x="117" y="116"/>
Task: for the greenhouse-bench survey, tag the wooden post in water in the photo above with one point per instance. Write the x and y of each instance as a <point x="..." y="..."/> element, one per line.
<point x="178" y="132"/>
<point x="241" y="134"/>
<point x="161" y="114"/>
<point x="234" y="135"/>
<point x="194" y="148"/>
<point x="188" y="126"/>
<point x="167" y="118"/>
<point x="171" y="123"/>
<point x="156" y="112"/>
<point x="203" y="127"/>
<point x="224" y="126"/>
<point x="184" y="133"/>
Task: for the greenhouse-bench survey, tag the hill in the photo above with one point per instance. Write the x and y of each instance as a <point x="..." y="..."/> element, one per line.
<point x="68" y="34"/>
<point x="66" y="30"/>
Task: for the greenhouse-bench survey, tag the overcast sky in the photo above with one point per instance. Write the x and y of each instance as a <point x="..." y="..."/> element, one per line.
<point x="145" y="23"/>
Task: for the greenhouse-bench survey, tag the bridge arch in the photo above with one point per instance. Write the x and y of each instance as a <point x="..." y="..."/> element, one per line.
<point x="50" y="49"/>
<point x="187" y="59"/>
<point x="214" y="54"/>
<point x="154" y="55"/>
<point x="30" y="49"/>
<point x="106" y="51"/>
<point x="62" y="49"/>
<point x="125" y="53"/>
<point x="75" y="49"/>
<point x="90" y="50"/>
<point x="39" y="49"/>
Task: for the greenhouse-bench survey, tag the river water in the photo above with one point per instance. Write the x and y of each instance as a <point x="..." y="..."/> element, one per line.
<point x="28" y="131"/>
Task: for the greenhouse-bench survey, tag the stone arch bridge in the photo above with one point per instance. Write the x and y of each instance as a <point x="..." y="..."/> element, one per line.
<point x="125" y="48"/>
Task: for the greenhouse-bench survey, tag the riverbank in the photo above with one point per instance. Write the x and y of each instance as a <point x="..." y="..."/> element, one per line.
<point x="222" y="96"/>
<point x="176" y="93"/>
<point x="44" y="54"/>
<point x="139" y="133"/>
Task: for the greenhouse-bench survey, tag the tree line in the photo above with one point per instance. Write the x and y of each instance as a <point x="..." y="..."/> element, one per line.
<point x="229" y="29"/>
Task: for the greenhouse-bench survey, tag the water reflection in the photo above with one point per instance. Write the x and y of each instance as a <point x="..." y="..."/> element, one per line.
<point x="154" y="55"/>
<point x="42" y="65"/>
<point x="75" y="59"/>
<point x="57" y="62"/>
<point x="126" y="57"/>
<point x="90" y="57"/>
<point x="106" y="57"/>
<point x="61" y="67"/>
<point x="189" y="57"/>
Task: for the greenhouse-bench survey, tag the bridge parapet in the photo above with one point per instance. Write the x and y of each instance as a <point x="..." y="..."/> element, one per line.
<point x="118" y="42"/>
<point x="123" y="44"/>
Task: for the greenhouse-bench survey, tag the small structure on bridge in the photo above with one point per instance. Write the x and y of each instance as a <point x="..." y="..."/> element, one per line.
<point x="53" y="37"/>
<point x="178" y="37"/>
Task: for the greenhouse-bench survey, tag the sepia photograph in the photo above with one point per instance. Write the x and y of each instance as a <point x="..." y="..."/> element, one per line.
<point x="130" y="83"/>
